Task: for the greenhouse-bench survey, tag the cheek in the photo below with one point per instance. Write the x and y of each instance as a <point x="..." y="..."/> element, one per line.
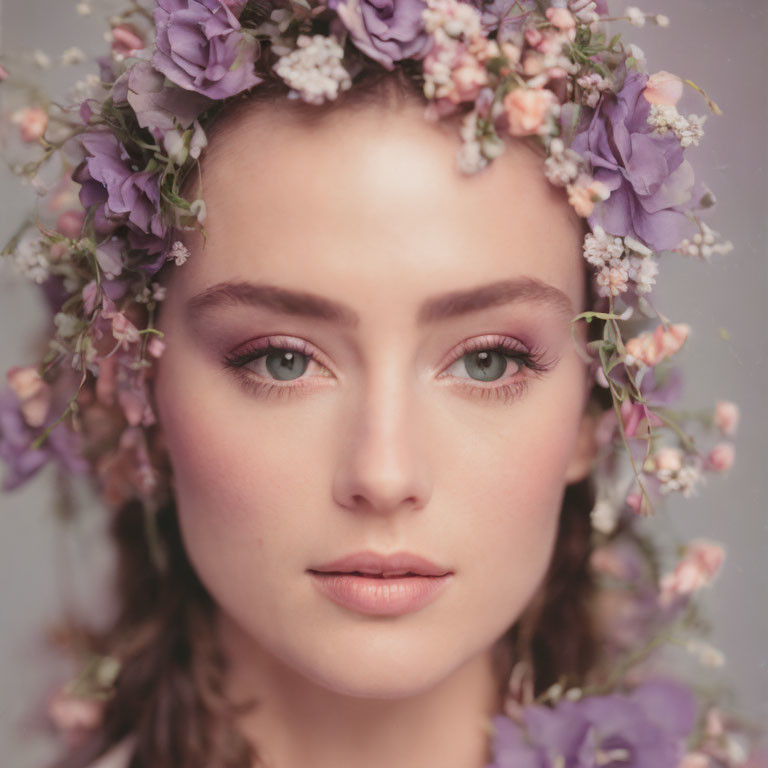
<point x="516" y="482"/>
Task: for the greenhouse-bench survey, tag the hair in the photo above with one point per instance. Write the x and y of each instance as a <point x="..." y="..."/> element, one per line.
<point x="170" y="693"/>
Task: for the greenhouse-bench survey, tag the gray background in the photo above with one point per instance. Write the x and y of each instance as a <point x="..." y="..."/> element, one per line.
<point x="721" y="46"/>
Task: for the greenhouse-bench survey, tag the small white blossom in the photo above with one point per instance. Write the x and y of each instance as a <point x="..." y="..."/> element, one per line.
<point x="664" y="117"/>
<point x="584" y="10"/>
<point x="451" y="18"/>
<point x="30" y="260"/>
<point x="661" y="20"/>
<point x="158" y="292"/>
<point x="314" y="70"/>
<point x="83" y="9"/>
<point x="593" y="84"/>
<point x="179" y="253"/>
<point x="604" y="516"/>
<point x="685" y="480"/>
<point x="635" y="15"/>
<point x="638" y="54"/>
<point x="612" y="278"/>
<point x="705" y="244"/>
<point x="563" y="165"/>
<point x="41" y="59"/>
<point x="72" y="56"/>
<point x="705" y="653"/>
<point x="66" y="325"/>
<point x="643" y="270"/>
<point x="198" y="209"/>
<point x="601" y="248"/>
<point x="470" y="158"/>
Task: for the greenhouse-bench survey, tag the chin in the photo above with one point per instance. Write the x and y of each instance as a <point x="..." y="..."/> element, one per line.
<point x="372" y="666"/>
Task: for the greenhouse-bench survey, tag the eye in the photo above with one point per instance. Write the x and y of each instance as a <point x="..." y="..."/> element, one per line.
<point x="276" y="358"/>
<point x="496" y="358"/>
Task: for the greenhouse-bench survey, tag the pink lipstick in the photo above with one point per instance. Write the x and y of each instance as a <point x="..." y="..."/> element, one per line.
<point x="381" y="585"/>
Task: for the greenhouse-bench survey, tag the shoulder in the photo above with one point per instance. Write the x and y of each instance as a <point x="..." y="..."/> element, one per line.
<point x="117" y="757"/>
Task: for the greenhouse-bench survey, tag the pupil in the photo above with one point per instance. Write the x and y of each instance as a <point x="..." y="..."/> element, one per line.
<point x="279" y="363"/>
<point x="486" y="365"/>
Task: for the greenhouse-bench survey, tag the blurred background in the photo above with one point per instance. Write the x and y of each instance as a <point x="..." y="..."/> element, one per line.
<point x="45" y="570"/>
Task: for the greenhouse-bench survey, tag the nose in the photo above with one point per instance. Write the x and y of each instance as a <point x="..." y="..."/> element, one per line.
<point x="383" y="464"/>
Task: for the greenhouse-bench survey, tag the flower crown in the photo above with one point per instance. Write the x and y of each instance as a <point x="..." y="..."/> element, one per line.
<point x="546" y="72"/>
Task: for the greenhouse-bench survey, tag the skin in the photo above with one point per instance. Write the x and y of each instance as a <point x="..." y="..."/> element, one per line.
<point x="386" y="441"/>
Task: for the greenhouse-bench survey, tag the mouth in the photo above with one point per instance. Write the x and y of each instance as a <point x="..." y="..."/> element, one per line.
<point x="398" y="575"/>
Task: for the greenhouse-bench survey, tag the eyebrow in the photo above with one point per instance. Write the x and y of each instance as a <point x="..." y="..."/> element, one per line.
<point x="434" y="309"/>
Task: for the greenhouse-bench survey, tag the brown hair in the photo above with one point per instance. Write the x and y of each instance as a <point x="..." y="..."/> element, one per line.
<point x="170" y="692"/>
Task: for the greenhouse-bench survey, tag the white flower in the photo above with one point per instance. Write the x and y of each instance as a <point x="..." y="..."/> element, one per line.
<point x="635" y="15"/>
<point x="661" y="20"/>
<point x="66" y="325"/>
<point x="83" y="9"/>
<point x="563" y="165"/>
<point x="470" y="158"/>
<point x="179" y="253"/>
<point x="664" y="117"/>
<point x="314" y="70"/>
<point x="705" y="653"/>
<point x="30" y="260"/>
<point x="638" y="54"/>
<point x="198" y="209"/>
<point x="604" y="516"/>
<point x="593" y="84"/>
<point x="600" y="248"/>
<point x="41" y="59"/>
<point x="643" y="270"/>
<point x="72" y="56"/>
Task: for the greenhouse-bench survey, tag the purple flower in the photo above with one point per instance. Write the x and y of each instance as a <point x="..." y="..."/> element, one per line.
<point x="16" y="436"/>
<point x="651" y="184"/>
<point x="123" y="194"/>
<point x="647" y="728"/>
<point x="506" y="17"/>
<point x="385" y="30"/>
<point x="199" y="42"/>
<point x="155" y="103"/>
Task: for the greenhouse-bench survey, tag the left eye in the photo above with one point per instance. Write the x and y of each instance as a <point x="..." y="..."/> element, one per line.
<point x="486" y="364"/>
<point x="279" y="363"/>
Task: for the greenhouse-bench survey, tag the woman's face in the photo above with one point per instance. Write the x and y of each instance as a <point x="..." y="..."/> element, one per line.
<point x="356" y="242"/>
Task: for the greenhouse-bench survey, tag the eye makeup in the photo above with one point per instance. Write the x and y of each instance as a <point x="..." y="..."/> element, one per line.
<point x="530" y="363"/>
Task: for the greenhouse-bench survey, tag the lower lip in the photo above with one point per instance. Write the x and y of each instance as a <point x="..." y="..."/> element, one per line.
<point x="380" y="596"/>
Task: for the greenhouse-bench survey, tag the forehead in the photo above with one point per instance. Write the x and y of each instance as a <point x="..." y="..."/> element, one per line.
<point x="372" y="198"/>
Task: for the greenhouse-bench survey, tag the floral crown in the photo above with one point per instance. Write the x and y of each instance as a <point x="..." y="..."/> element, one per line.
<point x="548" y="72"/>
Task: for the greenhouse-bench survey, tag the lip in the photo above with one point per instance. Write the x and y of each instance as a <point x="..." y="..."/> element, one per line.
<point x="379" y="595"/>
<point x="373" y="563"/>
<point x="381" y="585"/>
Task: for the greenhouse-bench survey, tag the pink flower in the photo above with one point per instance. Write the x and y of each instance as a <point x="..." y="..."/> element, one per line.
<point x="585" y="193"/>
<point x="652" y="348"/>
<point x="33" y="392"/>
<point x="727" y="416"/>
<point x="156" y="347"/>
<point x="90" y="293"/>
<point x="123" y="329"/>
<point x="468" y="78"/>
<point x="663" y="88"/>
<point x="126" y="40"/>
<point x="528" y="109"/>
<point x="669" y="459"/>
<point x="697" y="568"/>
<point x="70" y="224"/>
<point x="32" y="122"/>
<point x="721" y="457"/>
<point x="74" y="716"/>
<point x="634" y="414"/>
<point x="562" y="18"/>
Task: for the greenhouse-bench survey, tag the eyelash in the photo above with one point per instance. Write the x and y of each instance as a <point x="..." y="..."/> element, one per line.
<point x="532" y="360"/>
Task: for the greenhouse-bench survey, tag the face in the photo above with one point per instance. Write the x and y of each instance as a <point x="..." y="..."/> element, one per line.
<point x="423" y="392"/>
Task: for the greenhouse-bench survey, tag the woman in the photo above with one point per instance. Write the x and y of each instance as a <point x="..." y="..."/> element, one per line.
<point x="364" y="353"/>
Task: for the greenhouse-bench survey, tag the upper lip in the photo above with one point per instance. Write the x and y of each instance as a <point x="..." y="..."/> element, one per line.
<point x="396" y="564"/>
